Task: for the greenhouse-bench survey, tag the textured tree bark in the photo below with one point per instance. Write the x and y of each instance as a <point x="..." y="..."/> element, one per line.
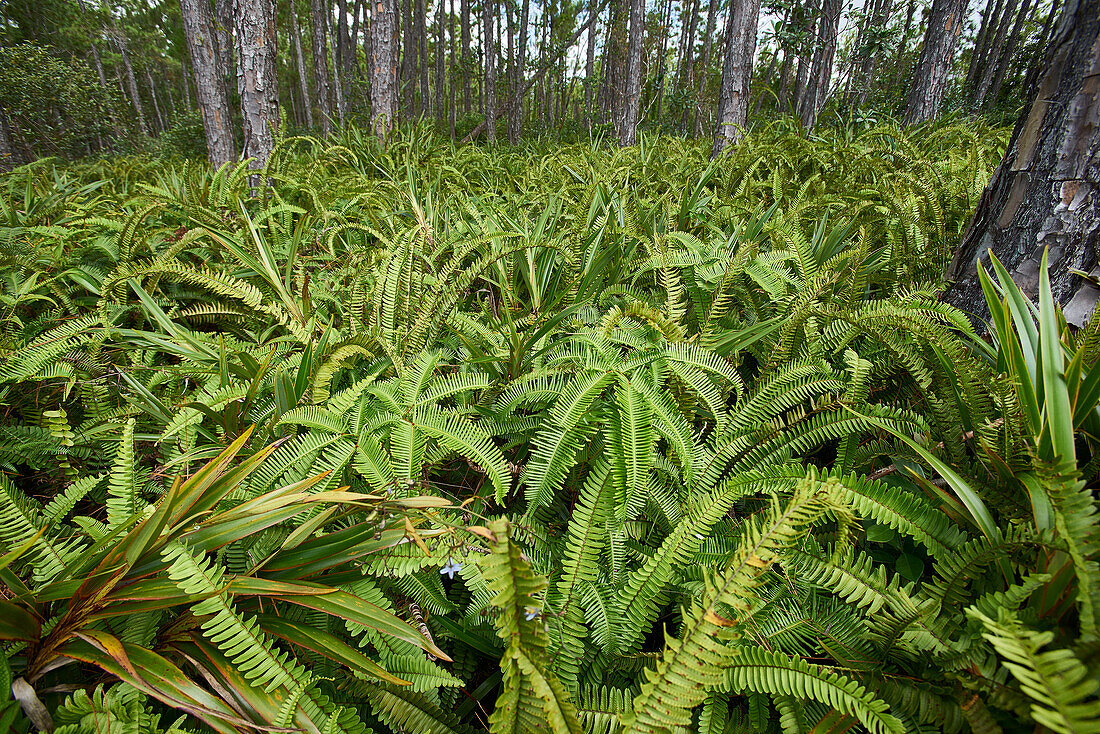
<point x="1006" y="55"/>
<point x="256" y="55"/>
<point x="347" y="53"/>
<point x="337" y="71"/>
<point x="407" y="37"/>
<point x="734" y="94"/>
<point x="467" y="67"/>
<point x="1046" y="192"/>
<point x="821" y="70"/>
<point x="319" y="20"/>
<point x="490" y="52"/>
<point x="930" y="76"/>
<point x="1036" y="61"/>
<point x="440" y="52"/>
<point x="632" y="79"/>
<point x="131" y="81"/>
<point x="383" y="67"/>
<point x="699" y="73"/>
<point x="299" y="61"/>
<point x="993" y="54"/>
<point x="519" y="69"/>
<point x="422" y="56"/>
<point x="990" y="17"/>
<point x="685" y="74"/>
<point x="223" y="29"/>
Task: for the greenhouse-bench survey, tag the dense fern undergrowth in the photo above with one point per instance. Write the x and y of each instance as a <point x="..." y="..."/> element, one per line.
<point x="428" y="438"/>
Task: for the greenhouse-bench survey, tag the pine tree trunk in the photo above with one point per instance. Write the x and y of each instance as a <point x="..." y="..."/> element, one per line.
<point x="256" y="56"/>
<point x="821" y="71"/>
<point x="490" y="52"/>
<point x="161" y="124"/>
<point x="1046" y="192"/>
<point x="519" y="70"/>
<point x="990" y="17"/>
<point x="666" y="30"/>
<point x="131" y="81"/>
<point x="589" y="70"/>
<point x="993" y="55"/>
<point x="299" y="61"/>
<point x="440" y="50"/>
<point x="319" y="19"/>
<point x="408" y="61"/>
<point x="347" y="53"/>
<point x="734" y="94"/>
<point x="632" y="80"/>
<point x="701" y="70"/>
<point x="223" y="28"/>
<point x="1036" y="64"/>
<point x="453" y="98"/>
<point x="383" y="68"/>
<point x="422" y="56"/>
<point x="1007" y="54"/>
<point x="930" y="76"/>
<point x="467" y="66"/>
<point x="685" y="72"/>
<point x="337" y="72"/>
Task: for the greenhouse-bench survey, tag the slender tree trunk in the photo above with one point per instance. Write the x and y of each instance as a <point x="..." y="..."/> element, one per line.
<point x="422" y="56"/>
<point x="453" y="99"/>
<point x="1037" y="62"/>
<point x="990" y="17"/>
<point x="1046" y="192"/>
<point x="9" y="158"/>
<point x="440" y="52"/>
<point x="131" y="81"/>
<point x="383" y="83"/>
<point x="1005" y="59"/>
<point x="930" y="76"/>
<point x="490" y="52"/>
<point x="319" y="19"/>
<point x="632" y="87"/>
<point x="344" y="70"/>
<point x="666" y="30"/>
<point x="686" y="73"/>
<point x="700" y="71"/>
<point x="337" y="71"/>
<point x="821" y="72"/>
<point x="185" y="78"/>
<point x="519" y="69"/>
<point x="408" y="61"/>
<point x="903" y="44"/>
<point x="356" y="14"/>
<point x="615" y="53"/>
<point x="734" y="94"/>
<point x="467" y="66"/>
<point x="589" y="69"/>
<point x="994" y="54"/>
<point x="161" y="126"/>
<point x="299" y="62"/>
<point x="256" y="55"/>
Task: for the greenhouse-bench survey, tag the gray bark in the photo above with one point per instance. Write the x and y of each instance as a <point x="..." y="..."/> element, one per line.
<point x="704" y="63"/>
<point x="422" y="55"/>
<point x="930" y="76"/>
<point x="383" y="67"/>
<point x="466" y="70"/>
<point x="337" y="73"/>
<point x="994" y="54"/>
<point x="440" y="51"/>
<point x="223" y="30"/>
<point x="1046" y="192"/>
<point x="821" y="71"/>
<point x="319" y="19"/>
<point x="1007" y="53"/>
<point x="299" y="61"/>
<point x="632" y="88"/>
<point x="156" y="103"/>
<point x="990" y="17"/>
<point x="347" y="52"/>
<point x="1037" y="62"/>
<point x="734" y="94"/>
<point x="131" y="81"/>
<point x="256" y="56"/>
<point x="490" y="52"/>
<point x="589" y="70"/>
<point x="519" y="69"/>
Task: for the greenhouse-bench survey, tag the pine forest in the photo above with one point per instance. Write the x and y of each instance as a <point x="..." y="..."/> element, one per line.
<point x="549" y="366"/>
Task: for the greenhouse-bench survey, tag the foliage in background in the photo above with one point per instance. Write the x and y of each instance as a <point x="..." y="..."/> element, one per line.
<point x="429" y="438"/>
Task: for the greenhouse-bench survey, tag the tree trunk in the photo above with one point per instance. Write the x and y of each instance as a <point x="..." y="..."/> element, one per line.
<point x="452" y="114"/>
<point x="466" y="67"/>
<point x="990" y="17"/>
<point x="408" y="61"/>
<point x="256" y="55"/>
<point x="337" y="70"/>
<point x="930" y="76"/>
<point x="589" y="69"/>
<point x="299" y="61"/>
<point x="347" y="54"/>
<point x="422" y="55"/>
<point x="490" y="52"/>
<point x="223" y="29"/>
<point x="1046" y="192"/>
<point x="1005" y="59"/>
<point x="666" y="30"/>
<point x="161" y="124"/>
<point x="700" y="71"/>
<point x="821" y="71"/>
<point x="519" y="70"/>
<point x="632" y="80"/>
<point x="383" y="68"/>
<point x="319" y="19"/>
<point x="1037" y="61"/>
<point x="994" y="54"/>
<point x="686" y="72"/>
<point x="733" y="96"/>
<point x="131" y="81"/>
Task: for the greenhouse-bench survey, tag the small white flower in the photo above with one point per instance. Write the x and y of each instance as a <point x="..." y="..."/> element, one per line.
<point x="451" y="568"/>
<point x="532" y="612"/>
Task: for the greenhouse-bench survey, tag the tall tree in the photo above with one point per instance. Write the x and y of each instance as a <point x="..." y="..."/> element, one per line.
<point x="821" y="69"/>
<point x="632" y="80"/>
<point x="700" y="68"/>
<point x="256" y="56"/>
<point x="131" y="79"/>
<point x="1046" y="192"/>
<point x="518" y="69"/>
<point x="993" y="54"/>
<point x="383" y="66"/>
<point x="925" y="96"/>
<point x="440" y="57"/>
<point x="347" y="52"/>
<point x="590" y="67"/>
<point x="319" y="20"/>
<point x="466" y="63"/>
<point x="300" y="63"/>
<point x="733" y="95"/>
<point x="489" y="50"/>
<point x="1005" y="60"/>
